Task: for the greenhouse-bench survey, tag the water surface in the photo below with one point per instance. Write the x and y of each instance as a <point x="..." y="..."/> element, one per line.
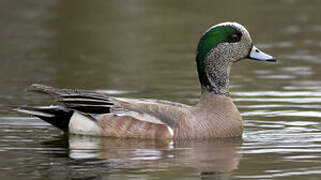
<point x="147" y="49"/>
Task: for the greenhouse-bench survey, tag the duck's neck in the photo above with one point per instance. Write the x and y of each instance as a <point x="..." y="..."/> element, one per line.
<point x="214" y="74"/>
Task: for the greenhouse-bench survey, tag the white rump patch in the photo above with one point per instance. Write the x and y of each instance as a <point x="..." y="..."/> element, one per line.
<point x="80" y="124"/>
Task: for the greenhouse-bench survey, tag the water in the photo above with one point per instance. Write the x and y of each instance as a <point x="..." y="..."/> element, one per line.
<point x="147" y="49"/>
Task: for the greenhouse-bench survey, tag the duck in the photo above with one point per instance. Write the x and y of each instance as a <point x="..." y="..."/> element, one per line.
<point x="89" y="112"/>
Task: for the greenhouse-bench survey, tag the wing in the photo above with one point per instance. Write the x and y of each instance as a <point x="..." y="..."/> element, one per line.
<point x="156" y="111"/>
<point x="96" y="103"/>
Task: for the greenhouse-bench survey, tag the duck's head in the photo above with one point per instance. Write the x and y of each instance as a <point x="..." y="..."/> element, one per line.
<point x="219" y="47"/>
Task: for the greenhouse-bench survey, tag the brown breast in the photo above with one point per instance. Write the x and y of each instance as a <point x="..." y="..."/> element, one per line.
<point x="212" y="117"/>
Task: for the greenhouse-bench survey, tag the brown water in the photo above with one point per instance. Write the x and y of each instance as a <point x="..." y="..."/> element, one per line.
<point x="147" y="49"/>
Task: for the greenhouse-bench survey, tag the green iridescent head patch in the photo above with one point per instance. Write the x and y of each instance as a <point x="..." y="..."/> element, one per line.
<point x="213" y="37"/>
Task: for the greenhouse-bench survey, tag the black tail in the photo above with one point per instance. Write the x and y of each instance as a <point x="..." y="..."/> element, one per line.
<point x="82" y="100"/>
<point x="87" y="102"/>
<point x="57" y="116"/>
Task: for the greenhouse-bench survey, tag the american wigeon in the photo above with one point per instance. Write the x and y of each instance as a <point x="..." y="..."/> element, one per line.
<point x="215" y="115"/>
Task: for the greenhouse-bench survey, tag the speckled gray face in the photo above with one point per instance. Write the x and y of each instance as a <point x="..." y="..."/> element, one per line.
<point x="241" y="49"/>
<point x="236" y="51"/>
<point x="218" y="49"/>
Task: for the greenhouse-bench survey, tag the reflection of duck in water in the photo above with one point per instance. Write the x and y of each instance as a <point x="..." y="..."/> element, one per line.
<point x="212" y="159"/>
<point x="93" y="113"/>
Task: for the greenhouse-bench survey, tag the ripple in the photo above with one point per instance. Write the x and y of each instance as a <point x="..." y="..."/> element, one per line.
<point x="288" y="100"/>
<point x="263" y="72"/>
<point x="278" y="93"/>
<point x="22" y="121"/>
<point x="299" y="70"/>
<point x="277" y="77"/>
<point x="311" y="58"/>
<point x="265" y="106"/>
<point x="317" y="28"/>
<point x="293" y="29"/>
<point x="283" y="173"/>
<point x="312" y="87"/>
<point x="283" y="150"/>
<point x="302" y="157"/>
<point x="289" y="113"/>
<point x="284" y="44"/>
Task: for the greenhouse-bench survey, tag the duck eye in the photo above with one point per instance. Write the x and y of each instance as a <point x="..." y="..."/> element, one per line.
<point x="236" y="37"/>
